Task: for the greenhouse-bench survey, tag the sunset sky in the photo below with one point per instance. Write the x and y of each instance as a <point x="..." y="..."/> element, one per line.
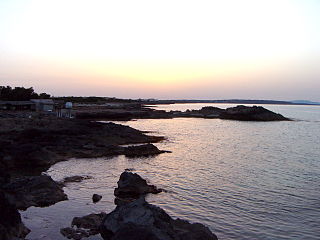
<point x="253" y="49"/>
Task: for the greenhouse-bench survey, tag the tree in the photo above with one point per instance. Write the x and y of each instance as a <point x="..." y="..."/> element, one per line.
<point x="19" y="94"/>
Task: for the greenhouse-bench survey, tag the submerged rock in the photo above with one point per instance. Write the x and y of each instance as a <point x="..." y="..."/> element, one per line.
<point x="143" y="221"/>
<point x="254" y="113"/>
<point x="38" y="191"/>
<point x="132" y="186"/>
<point x="11" y="226"/>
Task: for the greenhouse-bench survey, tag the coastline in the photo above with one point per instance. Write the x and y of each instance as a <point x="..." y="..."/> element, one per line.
<point x="29" y="146"/>
<point x="33" y="144"/>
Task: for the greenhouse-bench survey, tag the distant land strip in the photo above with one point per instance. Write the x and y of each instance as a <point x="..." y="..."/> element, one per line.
<point x="235" y="101"/>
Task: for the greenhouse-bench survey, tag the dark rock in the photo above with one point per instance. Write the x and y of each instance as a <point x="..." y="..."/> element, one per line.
<point x="85" y="226"/>
<point x="96" y="198"/>
<point x="106" y="115"/>
<point x="38" y="191"/>
<point x="132" y="186"/>
<point x="134" y="232"/>
<point x="36" y="144"/>
<point x="30" y="155"/>
<point x="141" y="220"/>
<point x="254" y="113"/>
<point x="11" y="226"/>
<point x="75" y="179"/>
<point x="4" y="177"/>
<point x="211" y="111"/>
<point x="76" y="234"/>
<point x="124" y="200"/>
<point x="142" y="150"/>
<point x="91" y="221"/>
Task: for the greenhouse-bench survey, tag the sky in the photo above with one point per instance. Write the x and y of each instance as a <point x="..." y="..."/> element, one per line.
<point x="168" y="49"/>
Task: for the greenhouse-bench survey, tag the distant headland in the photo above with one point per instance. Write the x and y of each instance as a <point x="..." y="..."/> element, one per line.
<point x="235" y="101"/>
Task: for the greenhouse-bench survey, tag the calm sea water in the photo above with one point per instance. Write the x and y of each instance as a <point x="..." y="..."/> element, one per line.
<point x="244" y="180"/>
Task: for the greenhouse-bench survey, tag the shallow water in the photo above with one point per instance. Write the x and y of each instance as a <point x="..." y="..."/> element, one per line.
<point x="244" y="180"/>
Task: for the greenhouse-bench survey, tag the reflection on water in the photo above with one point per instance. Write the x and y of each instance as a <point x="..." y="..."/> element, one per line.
<point x="245" y="180"/>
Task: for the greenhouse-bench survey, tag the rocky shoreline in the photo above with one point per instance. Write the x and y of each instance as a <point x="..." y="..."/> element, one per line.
<point x="240" y="113"/>
<point x="36" y="144"/>
<point x="29" y="145"/>
<point x="134" y="218"/>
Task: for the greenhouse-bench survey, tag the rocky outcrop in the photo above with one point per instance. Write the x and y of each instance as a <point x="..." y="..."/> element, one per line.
<point x="38" y="191"/>
<point x="96" y="198"/>
<point x="142" y="150"/>
<point x="244" y="113"/>
<point x="91" y="221"/>
<point x="82" y="227"/>
<point x="36" y="144"/>
<point x="132" y="186"/>
<point x="140" y="220"/>
<point x="11" y="226"/>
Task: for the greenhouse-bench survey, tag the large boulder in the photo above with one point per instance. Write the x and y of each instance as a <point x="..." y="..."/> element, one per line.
<point x="38" y="191"/>
<point x="255" y="113"/>
<point x="143" y="221"/>
<point x="11" y="226"/>
<point x="131" y="185"/>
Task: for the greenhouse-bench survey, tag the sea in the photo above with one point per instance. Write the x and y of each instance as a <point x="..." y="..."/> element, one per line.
<point x="243" y="180"/>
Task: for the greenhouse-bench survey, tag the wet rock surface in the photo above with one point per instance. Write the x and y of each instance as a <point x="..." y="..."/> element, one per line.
<point x="72" y="233"/>
<point x="82" y="227"/>
<point x="91" y="221"/>
<point x="141" y="220"/>
<point x="11" y="226"/>
<point x="38" y="191"/>
<point x="132" y="186"/>
<point x="96" y="198"/>
<point x="136" y="219"/>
